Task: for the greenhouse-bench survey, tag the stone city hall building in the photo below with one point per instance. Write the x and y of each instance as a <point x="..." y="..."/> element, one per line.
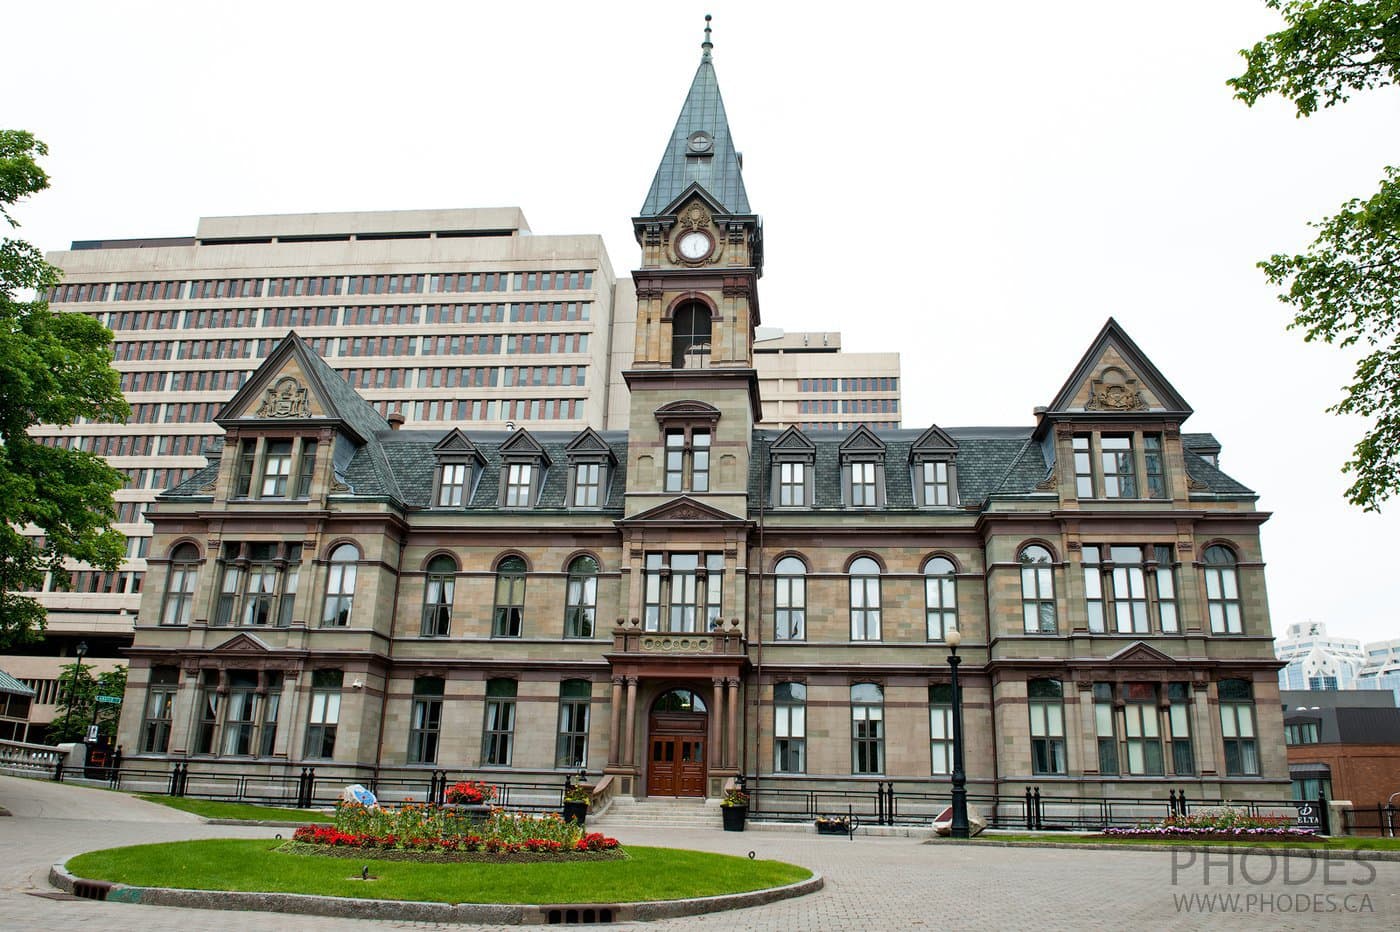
<point x="699" y="597"/>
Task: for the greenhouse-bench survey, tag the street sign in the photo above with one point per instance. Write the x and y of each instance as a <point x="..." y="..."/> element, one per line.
<point x="114" y="700"/>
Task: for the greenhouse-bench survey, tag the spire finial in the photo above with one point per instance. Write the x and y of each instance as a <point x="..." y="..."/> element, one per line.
<point x="707" y="44"/>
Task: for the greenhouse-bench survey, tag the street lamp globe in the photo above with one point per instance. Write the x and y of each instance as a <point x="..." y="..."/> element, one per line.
<point x="953" y="638"/>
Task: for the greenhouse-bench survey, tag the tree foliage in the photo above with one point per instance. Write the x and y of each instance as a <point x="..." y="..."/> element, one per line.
<point x="1345" y="288"/>
<point x="77" y="705"/>
<point x="54" y="368"/>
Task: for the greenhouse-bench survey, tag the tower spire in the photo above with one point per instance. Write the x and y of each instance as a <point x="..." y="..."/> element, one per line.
<point x="707" y="45"/>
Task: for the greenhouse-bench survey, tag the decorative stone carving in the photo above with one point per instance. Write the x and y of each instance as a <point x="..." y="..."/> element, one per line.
<point x="1049" y="483"/>
<point x="285" y="398"/>
<point x="695" y="217"/>
<point x="1113" y="391"/>
<point x="678" y="644"/>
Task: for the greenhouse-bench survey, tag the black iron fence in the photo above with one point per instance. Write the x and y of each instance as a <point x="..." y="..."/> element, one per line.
<point x="883" y="803"/>
<point x="1381" y="820"/>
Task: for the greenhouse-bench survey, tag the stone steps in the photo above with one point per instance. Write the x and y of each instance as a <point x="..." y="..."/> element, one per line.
<point x="659" y="813"/>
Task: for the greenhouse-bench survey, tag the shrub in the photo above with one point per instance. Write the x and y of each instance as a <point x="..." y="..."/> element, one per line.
<point x="415" y="827"/>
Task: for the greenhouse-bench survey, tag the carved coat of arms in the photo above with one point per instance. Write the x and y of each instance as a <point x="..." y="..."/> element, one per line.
<point x="285" y="398"/>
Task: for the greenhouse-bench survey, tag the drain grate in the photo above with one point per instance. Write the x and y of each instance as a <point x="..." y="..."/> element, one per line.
<point x="91" y="889"/>
<point x="581" y="915"/>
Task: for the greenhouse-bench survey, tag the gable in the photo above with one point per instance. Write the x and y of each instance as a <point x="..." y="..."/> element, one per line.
<point x="588" y="442"/>
<point x="455" y="442"/>
<point x="793" y="440"/>
<point x="684" y="509"/>
<point x="1140" y="654"/>
<point x="242" y="643"/>
<point x="862" y="440"/>
<point x="521" y="444"/>
<point x="1115" y="377"/>
<point x="934" y="440"/>
<point x="283" y="393"/>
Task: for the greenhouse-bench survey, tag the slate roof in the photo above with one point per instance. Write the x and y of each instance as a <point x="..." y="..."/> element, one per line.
<point x="719" y="173"/>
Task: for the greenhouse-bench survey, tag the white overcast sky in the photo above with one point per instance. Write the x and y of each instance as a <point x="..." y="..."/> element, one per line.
<point x="978" y="186"/>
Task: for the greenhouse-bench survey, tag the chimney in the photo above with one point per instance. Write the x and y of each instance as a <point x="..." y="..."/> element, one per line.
<point x="395" y="420"/>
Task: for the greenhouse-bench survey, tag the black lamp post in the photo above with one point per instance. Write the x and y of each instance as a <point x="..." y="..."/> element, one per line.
<point x="73" y="689"/>
<point x="959" y="826"/>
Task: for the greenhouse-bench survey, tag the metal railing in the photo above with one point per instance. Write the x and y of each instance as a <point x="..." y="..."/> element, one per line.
<point x="1381" y="820"/>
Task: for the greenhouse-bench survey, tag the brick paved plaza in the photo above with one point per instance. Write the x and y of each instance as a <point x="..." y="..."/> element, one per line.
<point x="871" y="883"/>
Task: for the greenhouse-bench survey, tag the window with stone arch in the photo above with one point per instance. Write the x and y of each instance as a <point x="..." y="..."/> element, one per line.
<point x="508" y="617"/>
<point x="865" y="599"/>
<point x="340" y="586"/>
<point x="1037" y="589"/>
<point x="180" y="585"/>
<point x="1223" y="590"/>
<point x="690" y="336"/>
<point x="790" y="600"/>
<point x="437" y="596"/>
<point x="940" y="597"/>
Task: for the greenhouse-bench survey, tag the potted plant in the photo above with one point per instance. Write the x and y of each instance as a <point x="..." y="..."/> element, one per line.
<point x="735" y="809"/>
<point x="471" y="796"/>
<point x="833" y="825"/>
<point x="578" y="798"/>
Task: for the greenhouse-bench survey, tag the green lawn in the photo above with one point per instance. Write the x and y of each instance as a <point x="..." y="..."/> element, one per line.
<point x="213" y="809"/>
<point x="253" y="865"/>
<point x="1342" y="843"/>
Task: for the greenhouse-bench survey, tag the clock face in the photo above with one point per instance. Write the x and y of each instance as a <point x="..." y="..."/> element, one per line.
<point x="694" y="245"/>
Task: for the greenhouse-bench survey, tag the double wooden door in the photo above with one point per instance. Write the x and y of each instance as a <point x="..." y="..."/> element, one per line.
<point x="676" y="765"/>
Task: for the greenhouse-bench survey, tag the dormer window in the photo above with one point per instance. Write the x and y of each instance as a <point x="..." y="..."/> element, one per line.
<point x="934" y="461"/>
<point x="523" y="463"/>
<point x="863" y="469"/>
<point x="1119" y="465"/>
<point x="277" y="469"/>
<point x="273" y="467"/>
<point x="452" y="486"/>
<point x="588" y="484"/>
<point x="458" y="466"/>
<point x="933" y="484"/>
<point x="793" y="456"/>
<point x="520" y="484"/>
<point x="590" y="469"/>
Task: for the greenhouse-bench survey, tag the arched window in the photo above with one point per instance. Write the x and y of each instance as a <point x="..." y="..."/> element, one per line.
<point x="179" y="585"/>
<point x="690" y="337"/>
<point x="867" y="728"/>
<point x="340" y="586"/>
<point x="940" y="597"/>
<point x="437" y="596"/>
<point x="1223" y="591"/>
<point x="510" y="598"/>
<point x="1037" y="590"/>
<point x="865" y="600"/>
<point x="581" y="601"/>
<point x="790" y="600"/>
<point x="679" y="700"/>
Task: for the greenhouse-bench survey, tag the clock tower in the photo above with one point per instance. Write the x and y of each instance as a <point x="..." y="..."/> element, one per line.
<point x="692" y="372"/>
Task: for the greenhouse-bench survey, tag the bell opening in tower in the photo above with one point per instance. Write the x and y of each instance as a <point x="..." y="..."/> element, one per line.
<point x="690" y="337"/>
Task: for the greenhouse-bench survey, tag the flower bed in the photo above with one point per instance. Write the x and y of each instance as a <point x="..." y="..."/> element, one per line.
<point x="434" y="830"/>
<point x="1221" y="823"/>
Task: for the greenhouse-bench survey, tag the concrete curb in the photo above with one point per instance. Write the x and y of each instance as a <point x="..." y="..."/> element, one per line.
<point x="263" y="823"/>
<point x="1354" y="854"/>
<point x="417" y="911"/>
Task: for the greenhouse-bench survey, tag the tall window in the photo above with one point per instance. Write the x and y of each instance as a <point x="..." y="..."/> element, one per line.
<point x="690" y="337"/>
<point x="437" y="596"/>
<point x="207" y="727"/>
<point x="240" y="712"/>
<point x="1179" y="721"/>
<point x="1119" y="476"/>
<point x="180" y="586"/>
<point x="581" y="600"/>
<point x="1142" y="736"/>
<point x="865" y="600"/>
<point x="588" y="485"/>
<point x="306" y="468"/>
<point x="519" y="483"/>
<point x="1037" y="590"/>
<point x="452" y="487"/>
<point x="934" y="479"/>
<point x="700" y="461"/>
<point x="1222" y="591"/>
<point x="498" y="734"/>
<point x="425" y="723"/>
<point x="790" y="600"/>
<point x="683" y="591"/>
<point x="1138" y="591"/>
<point x="259" y="584"/>
<point x="1153" y="472"/>
<point x="940" y="727"/>
<point x="687" y="458"/>
<point x="571" y="747"/>
<point x="510" y="598"/>
<point x="1237" y="727"/>
<point x="1083" y="467"/>
<point x="1105" y="728"/>
<point x="792" y="484"/>
<point x="789" y="728"/>
<point x="340" y="586"/>
<point x="271" y="705"/>
<point x="940" y="597"/>
<point x="160" y="709"/>
<point x="863" y="485"/>
<point x="277" y="468"/>
<point x="867" y="728"/>
<point x="1046" y="700"/>
<point x="324" y="715"/>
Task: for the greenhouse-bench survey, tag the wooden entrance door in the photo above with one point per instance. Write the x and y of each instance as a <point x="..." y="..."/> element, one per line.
<point x="676" y="765"/>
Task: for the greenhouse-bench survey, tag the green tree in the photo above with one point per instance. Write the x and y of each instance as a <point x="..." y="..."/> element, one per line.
<point x="54" y="368"/>
<point x="1345" y="289"/>
<point x="77" y="705"/>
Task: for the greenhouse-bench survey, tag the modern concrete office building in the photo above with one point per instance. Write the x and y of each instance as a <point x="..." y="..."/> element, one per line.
<point x="701" y="596"/>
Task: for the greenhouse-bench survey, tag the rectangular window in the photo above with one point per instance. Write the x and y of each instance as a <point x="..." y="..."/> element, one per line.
<point x="425" y="723"/>
<point x="675" y="461"/>
<point x="1237" y="728"/>
<point x="160" y="709"/>
<point x="519" y="482"/>
<point x="1093" y="588"/>
<point x="324" y="715"/>
<point x="1179" y="721"/>
<point x="940" y="727"/>
<point x="789" y="728"/>
<point x="499" y="730"/>
<point x="240" y="720"/>
<point x="1083" y="467"/>
<point x="863" y="485"/>
<point x="867" y="729"/>
<point x="1129" y="590"/>
<point x="1119" y="475"/>
<point x="1166" y="590"/>
<point x="277" y="468"/>
<point x="935" y="482"/>
<point x="792" y="484"/>
<point x="1047" y="727"/>
<point x="679" y="596"/>
<point x="208" y="727"/>
<point x="587" y="485"/>
<point x="306" y="469"/>
<point x="243" y="482"/>
<point x="454" y="484"/>
<point x="1104" y="728"/>
<point x="1154" y="477"/>
<point x="571" y="746"/>
<point x="1300" y="733"/>
<point x="700" y="461"/>
<point x="1142" y="736"/>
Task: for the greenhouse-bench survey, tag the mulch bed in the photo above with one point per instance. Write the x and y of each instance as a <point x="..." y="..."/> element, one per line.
<point x="447" y="857"/>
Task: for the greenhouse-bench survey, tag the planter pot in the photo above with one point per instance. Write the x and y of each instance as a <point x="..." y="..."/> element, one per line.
<point x="832" y="828"/>
<point x="734" y="817"/>
<point x="476" y="811"/>
<point x="576" y="812"/>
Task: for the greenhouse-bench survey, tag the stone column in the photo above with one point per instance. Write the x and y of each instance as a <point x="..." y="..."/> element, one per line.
<point x="629" y="750"/>
<point x="615" y="735"/>
<point x="1089" y="728"/>
<point x="1205" y="719"/>
<point x="732" y="751"/>
<point x="716" y="714"/>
